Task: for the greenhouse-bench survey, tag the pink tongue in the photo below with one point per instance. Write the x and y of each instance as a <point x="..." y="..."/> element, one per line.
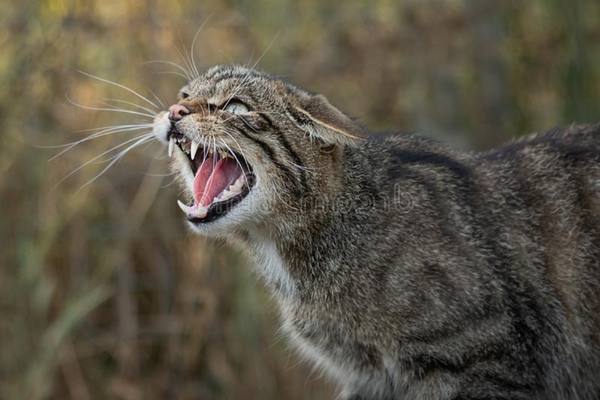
<point x="210" y="182"/>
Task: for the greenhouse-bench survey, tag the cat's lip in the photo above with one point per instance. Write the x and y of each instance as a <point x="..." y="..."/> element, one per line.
<point x="222" y="179"/>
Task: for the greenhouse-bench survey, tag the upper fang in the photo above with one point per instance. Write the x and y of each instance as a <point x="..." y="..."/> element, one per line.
<point x="171" y="144"/>
<point x="195" y="146"/>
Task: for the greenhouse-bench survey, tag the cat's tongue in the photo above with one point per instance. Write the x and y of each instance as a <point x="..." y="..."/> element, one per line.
<point x="213" y="177"/>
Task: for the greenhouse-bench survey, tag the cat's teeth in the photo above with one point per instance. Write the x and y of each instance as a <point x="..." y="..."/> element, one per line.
<point x="171" y="144"/>
<point x="238" y="184"/>
<point x="197" y="212"/>
<point x="195" y="146"/>
<point x="184" y="208"/>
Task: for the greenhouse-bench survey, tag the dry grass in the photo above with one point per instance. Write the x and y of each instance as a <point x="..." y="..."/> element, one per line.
<point x="103" y="293"/>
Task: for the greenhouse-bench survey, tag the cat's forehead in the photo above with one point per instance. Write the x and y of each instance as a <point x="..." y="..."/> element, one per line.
<point x="223" y="80"/>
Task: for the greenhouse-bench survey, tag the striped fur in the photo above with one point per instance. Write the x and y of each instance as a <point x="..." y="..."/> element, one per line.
<point x="407" y="270"/>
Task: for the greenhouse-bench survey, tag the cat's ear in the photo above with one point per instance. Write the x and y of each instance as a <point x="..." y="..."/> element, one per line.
<point x="325" y="122"/>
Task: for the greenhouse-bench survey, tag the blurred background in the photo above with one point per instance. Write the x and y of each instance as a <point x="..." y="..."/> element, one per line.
<point x="103" y="292"/>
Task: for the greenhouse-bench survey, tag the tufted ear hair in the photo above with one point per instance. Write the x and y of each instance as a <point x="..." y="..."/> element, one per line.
<point x="322" y="120"/>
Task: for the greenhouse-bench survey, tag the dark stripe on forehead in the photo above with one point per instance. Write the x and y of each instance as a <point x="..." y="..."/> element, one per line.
<point x="266" y="118"/>
<point x="290" y="150"/>
<point x="271" y="154"/>
<point x="297" y="160"/>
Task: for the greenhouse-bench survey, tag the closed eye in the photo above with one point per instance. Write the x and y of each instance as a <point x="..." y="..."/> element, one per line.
<point x="236" y="107"/>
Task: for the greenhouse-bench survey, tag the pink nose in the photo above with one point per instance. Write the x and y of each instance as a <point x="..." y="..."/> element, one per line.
<point x="177" y="111"/>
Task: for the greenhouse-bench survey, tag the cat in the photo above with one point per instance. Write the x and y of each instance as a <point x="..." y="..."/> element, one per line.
<point x="402" y="268"/>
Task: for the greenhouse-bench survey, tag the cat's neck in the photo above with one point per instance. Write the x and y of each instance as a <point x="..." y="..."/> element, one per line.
<point x="311" y="246"/>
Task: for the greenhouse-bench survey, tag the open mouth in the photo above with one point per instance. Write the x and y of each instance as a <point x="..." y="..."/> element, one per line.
<point x="222" y="179"/>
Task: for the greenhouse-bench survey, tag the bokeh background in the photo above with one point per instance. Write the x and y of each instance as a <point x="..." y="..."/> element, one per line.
<point x="103" y="292"/>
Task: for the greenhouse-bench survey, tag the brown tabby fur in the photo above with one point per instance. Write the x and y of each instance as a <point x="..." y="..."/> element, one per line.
<point x="405" y="269"/>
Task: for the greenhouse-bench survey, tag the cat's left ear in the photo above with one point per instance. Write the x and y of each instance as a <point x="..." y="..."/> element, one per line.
<point x="325" y="122"/>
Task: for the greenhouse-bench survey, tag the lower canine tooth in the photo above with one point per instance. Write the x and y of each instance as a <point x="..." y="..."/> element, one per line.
<point x="198" y="212"/>
<point x="184" y="208"/>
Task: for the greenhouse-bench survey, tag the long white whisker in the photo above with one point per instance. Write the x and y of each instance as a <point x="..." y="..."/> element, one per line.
<point x="96" y="136"/>
<point x="114" y="127"/>
<point x="173" y="73"/>
<point x="251" y="57"/>
<point x="265" y="52"/>
<point x="152" y="114"/>
<point x="247" y="123"/>
<point x="134" y="105"/>
<point x="108" y="109"/>
<point x="238" y="145"/>
<point x="187" y="74"/>
<point x="146" y="135"/>
<point x="169" y="184"/>
<point x="157" y="99"/>
<point x="119" y="86"/>
<point x="233" y="154"/>
<point x="239" y="87"/>
<point x="117" y="155"/>
<point x="193" y="47"/>
<point x="117" y="158"/>
<point x="160" y="175"/>
<point x="186" y="59"/>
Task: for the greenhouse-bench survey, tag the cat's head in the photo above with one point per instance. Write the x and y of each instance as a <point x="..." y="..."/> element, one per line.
<point x="247" y="146"/>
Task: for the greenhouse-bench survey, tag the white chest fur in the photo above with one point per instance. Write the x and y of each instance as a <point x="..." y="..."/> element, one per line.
<point x="271" y="267"/>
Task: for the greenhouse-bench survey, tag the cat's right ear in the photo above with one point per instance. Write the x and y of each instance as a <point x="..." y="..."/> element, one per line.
<point x="320" y="119"/>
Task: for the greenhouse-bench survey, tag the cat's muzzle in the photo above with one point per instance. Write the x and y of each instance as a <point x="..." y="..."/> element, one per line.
<point x="222" y="178"/>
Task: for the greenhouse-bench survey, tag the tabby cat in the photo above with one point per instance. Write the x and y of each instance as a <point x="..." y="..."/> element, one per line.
<point x="402" y="268"/>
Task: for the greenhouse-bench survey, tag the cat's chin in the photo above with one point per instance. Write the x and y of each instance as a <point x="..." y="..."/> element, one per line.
<point x="220" y="179"/>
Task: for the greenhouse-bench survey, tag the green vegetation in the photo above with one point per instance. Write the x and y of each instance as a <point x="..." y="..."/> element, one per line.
<point x="103" y="292"/>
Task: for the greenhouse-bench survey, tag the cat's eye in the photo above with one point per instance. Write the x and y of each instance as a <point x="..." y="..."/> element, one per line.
<point x="236" y="107"/>
<point x="184" y="95"/>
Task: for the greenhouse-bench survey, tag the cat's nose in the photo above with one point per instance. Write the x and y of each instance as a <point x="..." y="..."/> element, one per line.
<point x="177" y="111"/>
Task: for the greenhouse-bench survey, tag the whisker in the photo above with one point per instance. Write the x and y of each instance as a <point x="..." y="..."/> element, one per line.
<point x="237" y="144"/>
<point x="157" y="99"/>
<point x="117" y="158"/>
<point x="231" y="60"/>
<point x="193" y="47"/>
<point x="111" y="126"/>
<point x="169" y="184"/>
<point x="265" y="52"/>
<point x="119" y="86"/>
<point x="146" y="135"/>
<point x="186" y="57"/>
<point x="186" y="73"/>
<point x="134" y="105"/>
<point x="88" y="130"/>
<point x="247" y="123"/>
<point x="234" y="156"/>
<point x="268" y="112"/>
<point x="96" y="136"/>
<point x="302" y="167"/>
<point x="210" y="179"/>
<point x="251" y="57"/>
<point x="159" y="175"/>
<point x="173" y="73"/>
<point x="239" y="86"/>
<point x="114" y="107"/>
<point x="123" y="111"/>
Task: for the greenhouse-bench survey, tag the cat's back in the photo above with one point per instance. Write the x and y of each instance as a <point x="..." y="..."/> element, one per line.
<point x="576" y="145"/>
<point x="526" y="217"/>
<point x="548" y="186"/>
